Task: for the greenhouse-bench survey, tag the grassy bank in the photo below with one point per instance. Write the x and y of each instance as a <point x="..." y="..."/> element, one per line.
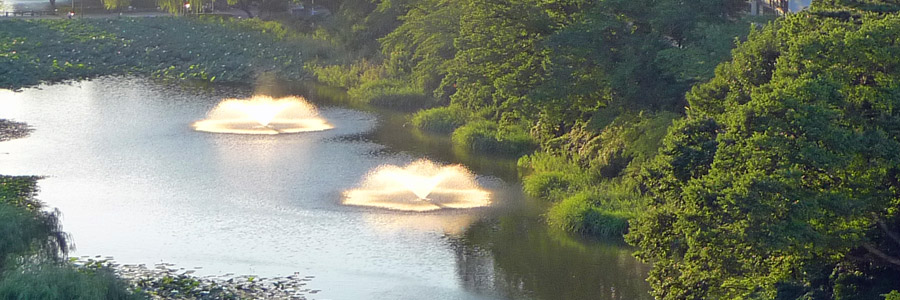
<point x="200" y="48"/>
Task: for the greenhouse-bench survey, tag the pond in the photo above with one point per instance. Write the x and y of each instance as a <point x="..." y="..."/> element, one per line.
<point x="133" y="181"/>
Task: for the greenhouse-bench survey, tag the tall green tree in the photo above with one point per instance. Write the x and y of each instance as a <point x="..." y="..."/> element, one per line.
<point x="423" y="43"/>
<point x="636" y="55"/>
<point x="784" y="180"/>
<point x="499" y="54"/>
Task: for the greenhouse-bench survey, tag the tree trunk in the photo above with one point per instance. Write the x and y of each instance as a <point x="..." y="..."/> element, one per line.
<point x="888" y="232"/>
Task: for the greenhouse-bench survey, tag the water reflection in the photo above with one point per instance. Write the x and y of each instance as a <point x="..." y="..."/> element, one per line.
<point x="262" y="114"/>
<point x="519" y="258"/>
<point x="450" y="224"/>
<point x="419" y="186"/>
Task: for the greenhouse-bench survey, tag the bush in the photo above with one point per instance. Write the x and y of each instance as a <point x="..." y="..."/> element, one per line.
<point x="441" y="119"/>
<point x="347" y="77"/>
<point x="583" y="213"/>
<point x="51" y="281"/>
<point x="489" y="138"/>
<point x="551" y="186"/>
<point x="393" y="93"/>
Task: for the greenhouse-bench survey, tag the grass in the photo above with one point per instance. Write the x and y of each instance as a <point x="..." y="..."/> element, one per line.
<point x="584" y="213"/>
<point x="552" y="185"/>
<point x="441" y="119"/>
<point x="489" y="138"/>
<point x="347" y="76"/>
<point x="394" y="93"/>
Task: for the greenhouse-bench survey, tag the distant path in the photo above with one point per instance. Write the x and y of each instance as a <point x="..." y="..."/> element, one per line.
<point x="150" y="14"/>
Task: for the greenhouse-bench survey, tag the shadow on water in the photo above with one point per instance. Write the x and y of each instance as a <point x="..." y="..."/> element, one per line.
<point x="513" y="254"/>
<point x="517" y="257"/>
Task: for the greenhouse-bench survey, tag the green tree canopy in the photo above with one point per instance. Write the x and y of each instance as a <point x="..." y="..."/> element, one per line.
<point x="784" y="180"/>
<point x="423" y="43"/>
<point x="633" y="54"/>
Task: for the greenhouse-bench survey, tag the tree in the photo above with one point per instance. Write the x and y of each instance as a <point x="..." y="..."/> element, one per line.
<point x="421" y="45"/>
<point x="637" y="55"/>
<point x="784" y="181"/>
<point x="25" y="228"/>
<point x="499" y="54"/>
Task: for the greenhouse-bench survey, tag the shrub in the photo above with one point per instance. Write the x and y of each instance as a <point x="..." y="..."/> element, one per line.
<point x="489" y="138"/>
<point x="441" y="119"/>
<point x="348" y="77"/>
<point x="583" y="213"/>
<point x="389" y="93"/>
<point x="552" y="186"/>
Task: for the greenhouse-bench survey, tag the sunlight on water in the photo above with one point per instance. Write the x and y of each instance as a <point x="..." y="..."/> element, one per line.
<point x="445" y="223"/>
<point x="263" y="115"/>
<point x="420" y="186"/>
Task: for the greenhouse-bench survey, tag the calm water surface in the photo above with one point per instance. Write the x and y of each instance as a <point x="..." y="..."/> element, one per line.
<point x="133" y="181"/>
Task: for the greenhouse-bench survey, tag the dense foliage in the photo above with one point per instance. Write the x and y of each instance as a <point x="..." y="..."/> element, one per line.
<point x="783" y="182"/>
<point x="538" y="68"/>
<point x="208" y="49"/>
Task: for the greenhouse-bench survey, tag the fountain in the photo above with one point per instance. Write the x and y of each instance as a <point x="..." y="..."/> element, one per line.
<point x="420" y="186"/>
<point x="263" y="115"/>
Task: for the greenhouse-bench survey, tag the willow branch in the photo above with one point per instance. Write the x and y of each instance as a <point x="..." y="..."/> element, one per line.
<point x="891" y="234"/>
<point x="882" y="255"/>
